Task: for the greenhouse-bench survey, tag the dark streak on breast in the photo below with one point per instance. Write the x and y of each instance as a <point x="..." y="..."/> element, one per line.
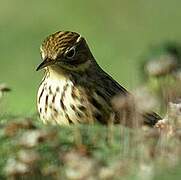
<point x="68" y="118"/>
<point x="46" y="103"/>
<point x="46" y="100"/>
<point x="62" y="104"/>
<point x="72" y="107"/>
<point x="80" y="115"/>
<point x="53" y="99"/>
<point x="41" y="95"/>
<point x="50" y="90"/>
<point x="57" y="89"/>
<point x="62" y="96"/>
<point x="45" y="109"/>
<point x="82" y="108"/>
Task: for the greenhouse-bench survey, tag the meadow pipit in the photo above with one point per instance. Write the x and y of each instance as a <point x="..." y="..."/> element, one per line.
<point x="75" y="89"/>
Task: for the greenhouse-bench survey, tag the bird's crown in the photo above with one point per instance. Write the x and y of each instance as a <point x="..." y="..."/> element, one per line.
<point x="57" y="44"/>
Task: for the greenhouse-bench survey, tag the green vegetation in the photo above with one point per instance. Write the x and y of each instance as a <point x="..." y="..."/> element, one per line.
<point x="30" y="150"/>
<point x="118" y="33"/>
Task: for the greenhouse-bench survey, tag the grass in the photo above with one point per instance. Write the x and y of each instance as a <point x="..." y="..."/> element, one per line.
<point x="59" y="152"/>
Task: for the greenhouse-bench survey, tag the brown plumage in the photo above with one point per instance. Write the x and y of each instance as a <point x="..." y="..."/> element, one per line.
<point x="75" y="89"/>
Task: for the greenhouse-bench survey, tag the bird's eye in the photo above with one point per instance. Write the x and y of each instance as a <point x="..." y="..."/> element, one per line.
<point x="71" y="53"/>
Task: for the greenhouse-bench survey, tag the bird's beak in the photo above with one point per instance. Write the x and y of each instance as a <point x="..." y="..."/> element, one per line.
<point x="45" y="63"/>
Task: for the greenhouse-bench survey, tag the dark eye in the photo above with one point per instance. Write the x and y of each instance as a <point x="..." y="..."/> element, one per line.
<point x="71" y="53"/>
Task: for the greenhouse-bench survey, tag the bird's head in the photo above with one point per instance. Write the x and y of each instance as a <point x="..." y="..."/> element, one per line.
<point x="65" y="49"/>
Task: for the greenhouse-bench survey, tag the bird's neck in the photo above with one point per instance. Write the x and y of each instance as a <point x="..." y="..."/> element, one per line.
<point x="60" y="72"/>
<point x="54" y="72"/>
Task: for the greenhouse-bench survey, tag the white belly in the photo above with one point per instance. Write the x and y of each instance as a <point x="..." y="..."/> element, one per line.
<point x="57" y="103"/>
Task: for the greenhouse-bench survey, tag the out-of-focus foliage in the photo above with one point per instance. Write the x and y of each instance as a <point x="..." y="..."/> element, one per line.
<point x="161" y="71"/>
<point x="30" y="150"/>
<point x="161" y="60"/>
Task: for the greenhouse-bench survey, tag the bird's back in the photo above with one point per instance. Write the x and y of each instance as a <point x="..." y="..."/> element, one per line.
<point x="101" y="85"/>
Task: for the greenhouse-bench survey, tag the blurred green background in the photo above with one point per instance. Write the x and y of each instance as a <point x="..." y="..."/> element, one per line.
<point x="117" y="31"/>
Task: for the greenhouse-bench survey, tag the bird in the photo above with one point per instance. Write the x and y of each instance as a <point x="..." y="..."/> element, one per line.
<point x="75" y="89"/>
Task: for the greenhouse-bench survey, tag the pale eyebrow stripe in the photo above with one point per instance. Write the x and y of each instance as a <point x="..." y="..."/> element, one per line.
<point x="78" y="39"/>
